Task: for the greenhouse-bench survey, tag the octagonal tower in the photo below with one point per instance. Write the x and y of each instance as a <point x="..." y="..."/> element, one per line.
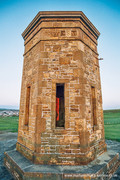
<point x="61" y="115"/>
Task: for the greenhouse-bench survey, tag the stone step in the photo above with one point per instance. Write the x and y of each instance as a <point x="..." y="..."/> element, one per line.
<point x="21" y="168"/>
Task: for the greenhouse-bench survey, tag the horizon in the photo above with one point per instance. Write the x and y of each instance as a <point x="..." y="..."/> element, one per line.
<point x="9" y="108"/>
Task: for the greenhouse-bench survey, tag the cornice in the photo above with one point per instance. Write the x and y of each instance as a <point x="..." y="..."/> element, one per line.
<point x="60" y="14"/>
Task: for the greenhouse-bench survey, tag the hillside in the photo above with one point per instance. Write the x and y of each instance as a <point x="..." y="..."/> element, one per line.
<point x="112" y="124"/>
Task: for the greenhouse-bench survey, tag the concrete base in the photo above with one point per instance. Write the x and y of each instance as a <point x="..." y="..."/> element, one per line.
<point x="21" y="168"/>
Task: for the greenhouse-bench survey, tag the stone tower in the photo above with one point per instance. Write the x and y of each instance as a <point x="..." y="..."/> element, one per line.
<point x="61" y="115"/>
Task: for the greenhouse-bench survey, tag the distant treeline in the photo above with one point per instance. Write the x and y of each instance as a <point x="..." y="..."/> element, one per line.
<point x="3" y="109"/>
<point x="112" y="111"/>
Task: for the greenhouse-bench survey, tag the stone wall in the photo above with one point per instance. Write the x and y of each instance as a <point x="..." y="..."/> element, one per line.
<point x="61" y="50"/>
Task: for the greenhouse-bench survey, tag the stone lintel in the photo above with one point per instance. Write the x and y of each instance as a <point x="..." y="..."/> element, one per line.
<point x="60" y="14"/>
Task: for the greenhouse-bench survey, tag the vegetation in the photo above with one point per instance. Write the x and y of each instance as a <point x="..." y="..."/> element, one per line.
<point x="112" y="124"/>
<point x="9" y="123"/>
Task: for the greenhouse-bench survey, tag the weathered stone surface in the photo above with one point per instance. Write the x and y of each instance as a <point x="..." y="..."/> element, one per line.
<point x="102" y="167"/>
<point x="61" y="49"/>
<point x="8" y="142"/>
<point x="64" y="60"/>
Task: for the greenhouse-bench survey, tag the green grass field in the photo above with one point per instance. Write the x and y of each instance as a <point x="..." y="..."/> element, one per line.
<point x="9" y="123"/>
<point x="112" y="124"/>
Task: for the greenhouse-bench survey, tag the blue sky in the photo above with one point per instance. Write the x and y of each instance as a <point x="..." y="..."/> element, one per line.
<point x="15" y="15"/>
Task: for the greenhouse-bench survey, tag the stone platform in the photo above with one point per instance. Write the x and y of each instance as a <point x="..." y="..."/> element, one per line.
<point x="21" y="168"/>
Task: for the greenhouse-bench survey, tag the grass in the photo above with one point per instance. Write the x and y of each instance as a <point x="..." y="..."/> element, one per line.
<point x="9" y="123"/>
<point x="112" y="116"/>
<point x="112" y="124"/>
<point x="112" y="132"/>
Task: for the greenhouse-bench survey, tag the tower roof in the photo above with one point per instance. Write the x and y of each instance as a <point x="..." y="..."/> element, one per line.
<point x="60" y="14"/>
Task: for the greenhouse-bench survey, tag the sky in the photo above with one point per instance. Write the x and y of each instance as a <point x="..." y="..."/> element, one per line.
<point x="15" y="16"/>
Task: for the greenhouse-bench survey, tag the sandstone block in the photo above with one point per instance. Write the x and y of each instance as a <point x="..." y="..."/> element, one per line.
<point x="78" y="55"/>
<point x="44" y="55"/>
<point x="64" y="61"/>
<point x="56" y="48"/>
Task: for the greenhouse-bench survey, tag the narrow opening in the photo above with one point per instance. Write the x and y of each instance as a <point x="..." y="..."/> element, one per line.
<point x="60" y="108"/>
<point x="93" y="106"/>
<point x="27" y="106"/>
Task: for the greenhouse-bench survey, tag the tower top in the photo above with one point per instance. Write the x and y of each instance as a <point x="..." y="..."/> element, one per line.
<point x="76" y="15"/>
